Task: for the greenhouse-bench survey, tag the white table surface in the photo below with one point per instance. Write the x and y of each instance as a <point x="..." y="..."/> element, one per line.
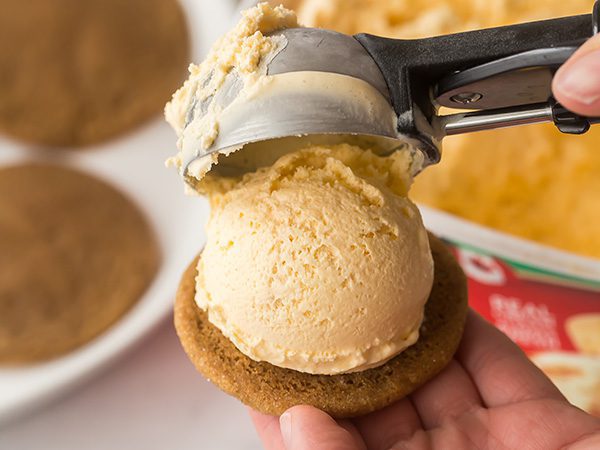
<point x="152" y="398"/>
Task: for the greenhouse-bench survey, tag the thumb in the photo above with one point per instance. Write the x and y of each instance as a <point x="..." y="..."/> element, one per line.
<point x="577" y="83"/>
<point x="308" y="428"/>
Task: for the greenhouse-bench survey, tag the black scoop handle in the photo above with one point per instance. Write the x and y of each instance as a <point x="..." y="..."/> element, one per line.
<point x="413" y="67"/>
<point x="425" y="61"/>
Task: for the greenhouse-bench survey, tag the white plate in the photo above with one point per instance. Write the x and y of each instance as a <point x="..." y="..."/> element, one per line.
<point x="134" y="164"/>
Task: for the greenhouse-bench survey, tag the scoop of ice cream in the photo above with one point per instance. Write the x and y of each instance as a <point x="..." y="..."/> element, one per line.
<point x="319" y="263"/>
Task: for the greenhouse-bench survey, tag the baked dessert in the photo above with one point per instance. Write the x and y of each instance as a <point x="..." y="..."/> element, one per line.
<point x="576" y="375"/>
<point x="76" y="73"/>
<point x="584" y="332"/>
<point x="317" y="283"/>
<point x="271" y="389"/>
<point x="75" y="254"/>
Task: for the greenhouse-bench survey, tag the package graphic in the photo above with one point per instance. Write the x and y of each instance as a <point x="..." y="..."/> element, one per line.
<point x="545" y="300"/>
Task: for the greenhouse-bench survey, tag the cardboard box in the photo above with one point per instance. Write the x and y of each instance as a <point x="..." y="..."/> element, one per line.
<point x="546" y="300"/>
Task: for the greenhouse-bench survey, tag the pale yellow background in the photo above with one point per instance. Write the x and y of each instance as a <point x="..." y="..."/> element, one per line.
<point x="532" y="182"/>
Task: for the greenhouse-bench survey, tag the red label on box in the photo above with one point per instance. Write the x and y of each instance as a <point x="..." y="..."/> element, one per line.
<point x="530" y="311"/>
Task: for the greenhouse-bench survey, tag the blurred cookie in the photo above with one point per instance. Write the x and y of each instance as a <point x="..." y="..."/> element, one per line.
<point x="584" y="332"/>
<point x="75" y="255"/>
<point x="78" y="72"/>
<point x="577" y="377"/>
<point x="272" y="389"/>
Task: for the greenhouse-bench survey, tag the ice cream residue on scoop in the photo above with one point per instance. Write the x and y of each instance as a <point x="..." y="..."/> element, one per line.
<point x="244" y="53"/>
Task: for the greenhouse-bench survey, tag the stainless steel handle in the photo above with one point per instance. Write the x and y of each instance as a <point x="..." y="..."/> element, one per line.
<point x="482" y="120"/>
<point x="491" y="119"/>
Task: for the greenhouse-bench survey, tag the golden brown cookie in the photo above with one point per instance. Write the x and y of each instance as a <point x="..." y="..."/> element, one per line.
<point x="75" y="255"/>
<point x="78" y="72"/>
<point x="272" y="389"/>
<point x="584" y="332"/>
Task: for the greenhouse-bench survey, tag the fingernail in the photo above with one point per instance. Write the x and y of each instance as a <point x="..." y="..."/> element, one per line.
<point x="285" y="425"/>
<point x="581" y="80"/>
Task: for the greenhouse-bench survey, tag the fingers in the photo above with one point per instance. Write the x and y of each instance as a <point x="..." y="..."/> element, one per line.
<point x="268" y="430"/>
<point x="546" y="424"/>
<point x="308" y="428"/>
<point x="587" y="442"/>
<point x="500" y="370"/>
<point x="305" y="428"/>
<point x="448" y="395"/>
<point x="577" y="83"/>
<point x="382" y="429"/>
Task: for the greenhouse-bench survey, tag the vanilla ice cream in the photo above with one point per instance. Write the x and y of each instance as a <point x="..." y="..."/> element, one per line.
<point x="319" y="263"/>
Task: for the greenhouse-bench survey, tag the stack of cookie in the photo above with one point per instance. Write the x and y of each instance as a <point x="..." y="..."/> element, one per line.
<point x="75" y="253"/>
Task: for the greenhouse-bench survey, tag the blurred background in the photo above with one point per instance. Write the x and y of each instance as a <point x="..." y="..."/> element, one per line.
<point x="82" y="88"/>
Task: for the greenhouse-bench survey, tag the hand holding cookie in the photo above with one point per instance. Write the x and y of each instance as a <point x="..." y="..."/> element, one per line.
<point x="476" y="402"/>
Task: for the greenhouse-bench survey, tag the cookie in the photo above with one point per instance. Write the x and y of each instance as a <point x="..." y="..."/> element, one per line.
<point x="271" y="390"/>
<point x="577" y="377"/>
<point x="584" y="332"/>
<point x="75" y="255"/>
<point x="74" y="72"/>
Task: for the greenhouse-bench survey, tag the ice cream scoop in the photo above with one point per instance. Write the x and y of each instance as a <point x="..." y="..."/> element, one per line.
<point x="323" y="83"/>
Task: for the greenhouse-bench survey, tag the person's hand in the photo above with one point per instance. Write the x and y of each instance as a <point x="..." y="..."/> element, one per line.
<point x="577" y="83"/>
<point x="489" y="396"/>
